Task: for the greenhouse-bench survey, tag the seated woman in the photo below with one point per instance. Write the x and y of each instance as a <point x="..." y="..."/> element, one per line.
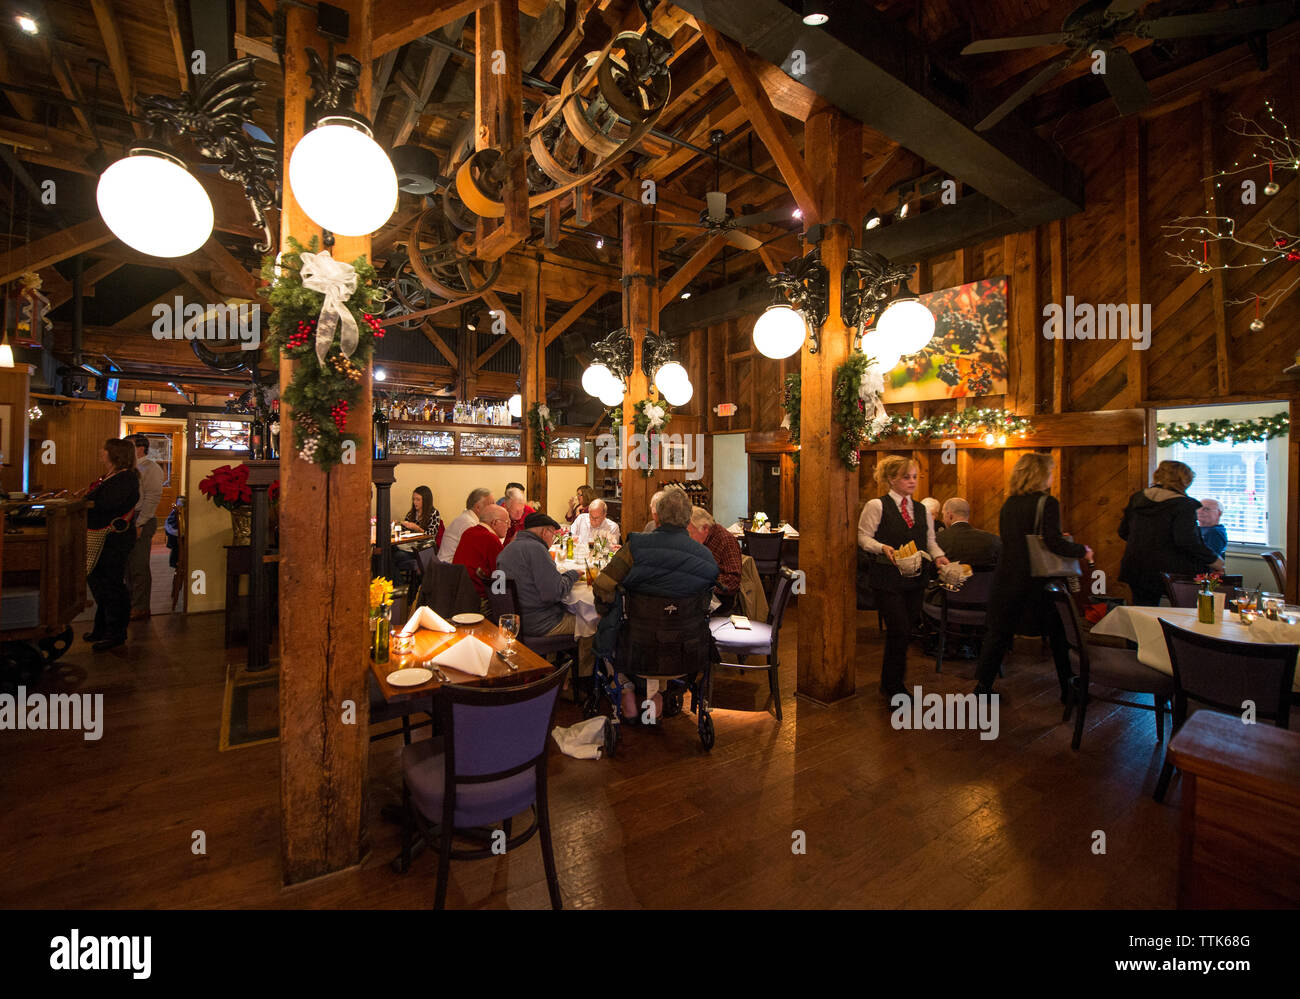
<point x="423" y="517"/>
<point x="579" y="502"/>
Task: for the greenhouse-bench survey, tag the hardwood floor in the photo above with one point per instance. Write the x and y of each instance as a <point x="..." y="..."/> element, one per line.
<point x="918" y="819"/>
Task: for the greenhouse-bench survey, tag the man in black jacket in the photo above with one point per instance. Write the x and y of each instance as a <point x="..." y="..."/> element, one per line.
<point x="1162" y="533"/>
<point x="963" y="543"/>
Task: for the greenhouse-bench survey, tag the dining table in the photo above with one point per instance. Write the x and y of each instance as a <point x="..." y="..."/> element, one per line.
<point x="1142" y="625"/>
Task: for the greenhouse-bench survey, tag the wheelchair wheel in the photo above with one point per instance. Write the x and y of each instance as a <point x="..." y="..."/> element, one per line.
<point x="706" y="730"/>
<point x="611" y="737"/>
<point x="590" y="707"/>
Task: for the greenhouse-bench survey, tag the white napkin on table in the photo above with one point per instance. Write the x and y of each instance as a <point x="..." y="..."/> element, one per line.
<point x="424" y="617"/>
<point x="790" y="532"/>
<point x="469" y="655"/>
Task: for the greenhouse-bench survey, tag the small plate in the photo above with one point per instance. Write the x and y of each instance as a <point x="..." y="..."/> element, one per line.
<point x="411" y="677"/>
<point x="467" y="618"/>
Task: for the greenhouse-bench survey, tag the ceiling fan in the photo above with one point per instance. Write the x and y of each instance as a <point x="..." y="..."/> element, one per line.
<point x="1099" y="24"/>
<point x="718" y="218"/>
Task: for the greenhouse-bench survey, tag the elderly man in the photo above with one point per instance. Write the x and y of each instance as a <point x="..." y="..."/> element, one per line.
<point x="540" y="586"/>
<point x="477" y="501"/>
<point x="480" y="545"/>
<point x="139" y="580"/>
<point x="963" y="543"/>
<point x="594" y="524"/>
<point x="667" y="562"/>
<point x="517" y="508"/>
<point x="653" y="522"/>
<point x="1214" y="534"/>
<point x="725" y="549"/>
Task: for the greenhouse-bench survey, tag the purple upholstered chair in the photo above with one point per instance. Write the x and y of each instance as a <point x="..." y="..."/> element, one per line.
<point x="489" y="766"/>
<point x="1222" y="675"/>
<point x="760" y="639"/>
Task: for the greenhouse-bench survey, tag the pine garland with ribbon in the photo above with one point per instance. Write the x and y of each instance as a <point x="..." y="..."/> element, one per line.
<point x="965" y="423"/>
<point x="648" y="419"/>
<point x="539" y="420"/>
<point x="327" y="379"/>
<point x="848" y="408"/>
<point x="1262" y="428"/>
<point x="791" y="398"/>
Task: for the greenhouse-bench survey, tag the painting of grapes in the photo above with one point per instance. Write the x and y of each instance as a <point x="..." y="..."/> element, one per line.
<point x="968" y="355"/>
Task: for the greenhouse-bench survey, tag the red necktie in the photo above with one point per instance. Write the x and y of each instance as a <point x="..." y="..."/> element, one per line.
<point x="907" y="512"/>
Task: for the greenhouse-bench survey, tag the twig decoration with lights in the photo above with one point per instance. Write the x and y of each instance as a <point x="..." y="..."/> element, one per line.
<point x="327" y="379"/>
<point x="1275" y="149"/>
<point x="1261" y="428"/>
<point x="539" y="420"/>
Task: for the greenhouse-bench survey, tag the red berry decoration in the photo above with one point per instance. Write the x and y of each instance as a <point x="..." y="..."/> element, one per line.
<point x="1280" y="242"/>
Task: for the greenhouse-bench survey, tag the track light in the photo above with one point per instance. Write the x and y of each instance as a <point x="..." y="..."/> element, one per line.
<point x="872" y="221"/>
<point x="814" y="13"/>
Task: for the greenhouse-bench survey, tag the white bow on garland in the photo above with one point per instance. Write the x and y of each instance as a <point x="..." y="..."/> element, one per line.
<point x="337" y="281"/>
<point x="870" y="391"/>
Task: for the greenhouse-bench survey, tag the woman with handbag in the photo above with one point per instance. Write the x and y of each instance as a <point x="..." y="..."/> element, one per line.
<point x="887" y="524"/>
<point x="111" y="537"/>
<point x="1034" y="551"/>
<point x="1162" y="535"/>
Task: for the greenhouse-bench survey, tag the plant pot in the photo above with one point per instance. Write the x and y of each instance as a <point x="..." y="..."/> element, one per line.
<point x="241" y="520"/>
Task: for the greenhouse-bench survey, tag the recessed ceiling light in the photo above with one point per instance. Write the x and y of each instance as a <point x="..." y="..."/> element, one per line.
<point x="797" y="213"/>
<point x="28" y="24"/>
<point x="814" y="13"/>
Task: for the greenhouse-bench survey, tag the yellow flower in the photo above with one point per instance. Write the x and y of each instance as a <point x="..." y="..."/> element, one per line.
<point x="381" y="591"/>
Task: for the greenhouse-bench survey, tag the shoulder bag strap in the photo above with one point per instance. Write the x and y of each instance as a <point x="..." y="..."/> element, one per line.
<point x="1038" y="519"/>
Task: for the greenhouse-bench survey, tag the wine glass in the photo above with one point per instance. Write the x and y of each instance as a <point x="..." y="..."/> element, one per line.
<point x="509" y="625"/>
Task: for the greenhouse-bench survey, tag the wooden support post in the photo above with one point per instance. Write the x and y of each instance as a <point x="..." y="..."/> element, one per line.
<point x="532" y="382"/>
<point x="642" y="295"/>
<point x="325" y="566"/>
<point x="828" y="492"/>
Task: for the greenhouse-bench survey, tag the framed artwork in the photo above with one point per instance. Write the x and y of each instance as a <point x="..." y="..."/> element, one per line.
<point x="675" y="456"/>
<point x="968" y="354"/>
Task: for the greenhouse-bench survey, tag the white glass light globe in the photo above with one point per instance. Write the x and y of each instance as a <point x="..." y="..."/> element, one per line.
<point x="909" y="324"/>
<point x="881" y="347"/>
<point x="612" y="393"/>
<point x="678" y="394"/>
<point x="154" y="205"/>
<point x="779" y="332"/>
<point x="516" y="405"/>
<point x="343" y="180"/>
<point x="596" y="378"/>
<point x="671" y="377"/>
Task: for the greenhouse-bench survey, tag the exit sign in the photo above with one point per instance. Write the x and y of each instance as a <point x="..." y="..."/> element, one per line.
<point x="725" y="409"/>
<point x="150" y="409"/>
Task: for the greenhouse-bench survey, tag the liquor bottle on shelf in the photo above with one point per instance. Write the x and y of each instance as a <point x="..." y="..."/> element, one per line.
<point x="428" y="411"/>
<point x="257" y="432"/>
<point x="380" y="429"/>
<point x="273" y="432"/>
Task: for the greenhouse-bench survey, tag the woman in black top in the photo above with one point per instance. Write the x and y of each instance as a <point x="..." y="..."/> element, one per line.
<point x="114" y="496"/>
<point x="423" y="517"/>
<point x="1163" y="535"/>
<point x="1018" y="603"/>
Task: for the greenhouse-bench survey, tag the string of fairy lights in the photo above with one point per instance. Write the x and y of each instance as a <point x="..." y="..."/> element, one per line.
<point x="1262" y="428"/>
<point x="992" y="427"/>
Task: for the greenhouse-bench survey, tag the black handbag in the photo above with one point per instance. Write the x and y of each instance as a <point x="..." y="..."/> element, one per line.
<point x="1043" y="562"/>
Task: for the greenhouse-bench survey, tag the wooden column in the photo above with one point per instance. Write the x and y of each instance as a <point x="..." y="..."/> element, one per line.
<point x="532" y="380"/>
<point x="325" y="569"/>
<point x="828" y="492"/>
<point x="641" y="298"/>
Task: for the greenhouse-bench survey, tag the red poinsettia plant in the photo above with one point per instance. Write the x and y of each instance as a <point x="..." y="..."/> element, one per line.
<point x="228" y="487"/>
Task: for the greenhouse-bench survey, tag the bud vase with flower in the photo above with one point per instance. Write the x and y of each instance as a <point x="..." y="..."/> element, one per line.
<point x="1206" y="597"/>
<point x="381" y="607"/>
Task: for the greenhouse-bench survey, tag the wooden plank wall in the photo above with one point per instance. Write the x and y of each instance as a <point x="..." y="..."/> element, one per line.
<point x="1140" y="173"/>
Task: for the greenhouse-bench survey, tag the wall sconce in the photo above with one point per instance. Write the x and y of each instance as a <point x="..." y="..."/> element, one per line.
<point x="798" y="311"/>
<point x="606" y="377"/>
<point x="340" y="177"/>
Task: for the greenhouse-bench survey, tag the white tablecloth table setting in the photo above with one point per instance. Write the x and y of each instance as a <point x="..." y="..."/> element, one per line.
<point x="1142" y="625"/>
<point x="581" y="598"/>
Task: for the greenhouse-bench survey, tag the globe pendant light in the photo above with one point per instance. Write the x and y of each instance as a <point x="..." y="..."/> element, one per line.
<point x="612" y="393"/>
<point x="671" y="378"/>
<point x="516" y="405"/>
<point x="595" y="379"/>
<point x="879" y="346"/>
<point x="907" y="324"/>
<point x="341" y="178"/>
<point x="779" y="332"/>
<point x="678" y="393"/>
<point x="153" y="204"/>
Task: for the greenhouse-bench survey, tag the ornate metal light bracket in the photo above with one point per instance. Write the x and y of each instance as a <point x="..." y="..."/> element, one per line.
<point x="804" y="284"/>
<point x="868" y="283"/>
<point x="213" y="116"/>
<point x="334" y="83"/>
<point x="615" y="352"/>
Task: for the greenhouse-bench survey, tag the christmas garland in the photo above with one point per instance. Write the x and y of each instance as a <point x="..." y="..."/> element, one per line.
<point x="848" y="408"/>
<point x="790" y="401"/>
<point x="960" y="424"/>
<point x="322" y="391"/>
<point x="648" y="419"/>
<point x="539" y="419"/>
<point x="1262" y="428"/>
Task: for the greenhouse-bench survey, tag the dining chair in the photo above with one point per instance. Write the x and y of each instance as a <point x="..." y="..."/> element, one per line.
<point x="1106" y="666"/>
<point x="423" y="558"/>
<point x="765" y="549"/>
<point x="1182" y="588"/>
<point x="962" y="613"/>
<point x="759" y="639"/>
<point x="566" y="646"/>
<point x="382" y="710"/>
<point x="1276" y="563"/>
<point x="1223" y="675"/>
<point x="446" y="587"/>
<point x="487" y="767"/>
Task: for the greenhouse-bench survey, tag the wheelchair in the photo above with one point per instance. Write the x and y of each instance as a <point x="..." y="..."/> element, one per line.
<point x="662" y="638"/>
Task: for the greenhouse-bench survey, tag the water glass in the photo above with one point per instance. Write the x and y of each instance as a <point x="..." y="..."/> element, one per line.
<point x="509" y="625"/>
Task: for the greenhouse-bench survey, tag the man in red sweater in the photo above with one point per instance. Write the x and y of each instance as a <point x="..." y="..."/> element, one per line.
<point x="726" y="552"/>
<point x="480" y="545"/>
<point x="517" y="508"/>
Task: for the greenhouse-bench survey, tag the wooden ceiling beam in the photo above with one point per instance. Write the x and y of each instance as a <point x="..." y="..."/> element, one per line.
<point x="431" y="334"/>
<point x="490" y="353"/>
<point x="90" y="277"/>
<point x="512" y="324"/>
<point x="574" y="313"/>
<point x="117" y="61"/>
<point x="143" y="317"/>
<point x="223" y="261"/>
<point x="397" y="22"/>
<point x="51" y="249"/>
<point x="178" y="44"/>
<point x="433" y="67"/>
<point x="24" y="104"/>
<point x="499" y="123"/>
<point x="698" y="261"/>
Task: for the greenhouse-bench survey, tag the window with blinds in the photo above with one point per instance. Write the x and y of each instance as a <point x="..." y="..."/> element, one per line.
<point x="1237" y="476"/>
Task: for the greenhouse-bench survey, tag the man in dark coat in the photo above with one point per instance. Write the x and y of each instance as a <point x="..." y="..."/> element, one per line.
<point x="1161" y="530"/>
<point x="963" y="543"/>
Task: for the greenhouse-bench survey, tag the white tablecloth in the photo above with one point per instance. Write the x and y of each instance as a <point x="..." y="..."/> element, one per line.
<point x="1142" y="625"/>
<point x="581" y="602"/>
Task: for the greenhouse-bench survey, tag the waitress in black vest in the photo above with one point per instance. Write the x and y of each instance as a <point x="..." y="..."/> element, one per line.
<point x="887" y="524"/>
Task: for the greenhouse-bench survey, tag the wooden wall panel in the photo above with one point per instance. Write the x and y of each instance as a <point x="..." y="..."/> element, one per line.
<point x="78" y="429"/>
<point x="1094" y="489"/>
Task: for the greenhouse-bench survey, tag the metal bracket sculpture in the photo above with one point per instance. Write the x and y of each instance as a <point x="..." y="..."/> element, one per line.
<point x="615" y="352"/>
<point x="213" y="116"/>
<point x="868" y="283"/>
<point x="804" y="284"/>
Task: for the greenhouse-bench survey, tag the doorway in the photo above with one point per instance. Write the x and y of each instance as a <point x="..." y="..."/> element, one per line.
<point x="765" y="485"/>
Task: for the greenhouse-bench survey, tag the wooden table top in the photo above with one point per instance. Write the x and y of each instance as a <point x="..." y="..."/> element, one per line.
<point x="406" y="539"/>
<point x="430" y="643"/>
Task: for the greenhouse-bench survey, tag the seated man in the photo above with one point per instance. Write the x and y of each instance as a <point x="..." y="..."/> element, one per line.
<point x="477" y="501"/>
<point x="653" y="522"/>
<point x="517" y="508"/>
<point x="480" y="546"/>
<point x="540" y="586"/>
<point x="725" y="549"/>
<point x="1214" y="534"/>
<point x="593" y="524"/>
<point x="963" y="543"/>
<point x="664" y="563"/>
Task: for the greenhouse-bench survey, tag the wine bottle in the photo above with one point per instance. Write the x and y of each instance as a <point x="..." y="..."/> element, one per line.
<point x="380" y="429"/>
<point x="273" y="432"/>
